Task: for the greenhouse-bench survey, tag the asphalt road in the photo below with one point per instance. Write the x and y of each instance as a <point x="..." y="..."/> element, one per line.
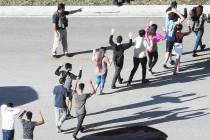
<point x="176" y="105"/>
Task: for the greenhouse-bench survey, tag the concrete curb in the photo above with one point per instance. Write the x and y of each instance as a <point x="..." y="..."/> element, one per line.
<point x="92" y="11"/>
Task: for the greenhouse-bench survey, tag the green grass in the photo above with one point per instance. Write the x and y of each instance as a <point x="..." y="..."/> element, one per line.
<point x="93" y="2"/>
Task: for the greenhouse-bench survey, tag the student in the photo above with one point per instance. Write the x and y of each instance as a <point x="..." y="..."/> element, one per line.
<point x="102" y="62"/>
<point x="174" y="5"/>
<point x="60" y="23"/>
<point x="118" y="55"/>
<point x="152" y="39"/>
<point x="28" y="125"/>
<point x="80" y="100"/>
<point x="178" y="46"/>
<point x="60" y="104"/>
<point x="68" y="77"/>
<point x="9" y="114"/>
<point x="198" y="28"/>
<point x="171" y="23"/>
<point x="139" y="57"/>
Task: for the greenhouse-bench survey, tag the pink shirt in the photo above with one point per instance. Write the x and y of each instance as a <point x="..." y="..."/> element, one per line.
<point x="153" y="40"/>
<point x="103" y="69"/>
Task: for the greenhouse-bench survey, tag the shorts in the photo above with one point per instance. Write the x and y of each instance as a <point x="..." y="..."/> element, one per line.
<point x="169" y="47"/>
<point x="178" y="48"/>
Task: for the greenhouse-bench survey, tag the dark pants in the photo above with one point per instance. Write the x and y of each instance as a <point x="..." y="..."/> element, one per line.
<point x="136" y="62"/>
<point x="80" y="118"/>
<point x="198" y="41"/>
<point x="153" y="57"/>
<point x="8" y="134"/>
<point x="118" y="69"/>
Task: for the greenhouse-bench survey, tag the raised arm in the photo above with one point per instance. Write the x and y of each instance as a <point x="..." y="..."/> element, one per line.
<point x="128" y="45"/>
<point x="75" y="11"/>
<point x="58" y="70"/>
<point x="111" y="42"/>
<point x="93" y="55"/>
<point x="41" y="119"/>
<point x="80" y="73"/>
<point x="21" y="115"/>
<point x="161" y="37"/>
<point x="93" y="91"/>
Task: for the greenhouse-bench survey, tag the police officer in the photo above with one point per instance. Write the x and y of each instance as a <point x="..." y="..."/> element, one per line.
<point x="60" y="22"/>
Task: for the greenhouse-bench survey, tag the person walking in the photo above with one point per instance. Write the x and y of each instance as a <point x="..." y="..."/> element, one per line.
<point x="118" y="56"/>
<point x="60" y="104"/>
<point x="140" y="56"/>
<point x="178" y="46"/>
<point x="9" y="114"/>
<point x="80" y="101"/>
<point x="28" y="125"/>
<point x="171" y="23"/>
<point x="60" y="23"/>
<point x="198" y="28"/>
<point x="153" y="38"/>
<point x="68" y="77"/>
<point x="102" y="63"/>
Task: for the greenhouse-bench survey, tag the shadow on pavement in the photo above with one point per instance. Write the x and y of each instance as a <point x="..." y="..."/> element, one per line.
<point x="190" y="72"/>
<point x="128" y="133"/>
<point x="18" y="95"/>
<point x="158" y="99"/>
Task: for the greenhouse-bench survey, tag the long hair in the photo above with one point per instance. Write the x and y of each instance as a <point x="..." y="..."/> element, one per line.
<point x="100" y="57"/>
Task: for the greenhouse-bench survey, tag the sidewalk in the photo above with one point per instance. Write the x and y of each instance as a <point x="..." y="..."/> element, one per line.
<point x="92" y="11"/>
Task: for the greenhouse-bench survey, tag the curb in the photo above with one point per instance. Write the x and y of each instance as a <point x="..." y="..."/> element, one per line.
<point x="93" y="11"/>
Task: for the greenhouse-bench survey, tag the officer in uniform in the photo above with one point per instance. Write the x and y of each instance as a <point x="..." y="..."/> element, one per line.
<point x="60" y="22"/>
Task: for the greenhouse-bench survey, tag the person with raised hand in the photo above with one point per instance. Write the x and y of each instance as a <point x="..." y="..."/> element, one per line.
<point x="102" y="63"/>
<point x="118" y="55"/>
<point x="29" y="125"/>
<point x="178" y="45"/>
<point x="80" y="98"/>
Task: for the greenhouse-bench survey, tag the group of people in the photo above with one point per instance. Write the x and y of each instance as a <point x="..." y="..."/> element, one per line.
<point x="145" y="53"/>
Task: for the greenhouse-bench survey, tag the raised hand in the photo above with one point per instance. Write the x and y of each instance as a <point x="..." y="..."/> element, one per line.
<point x="112" y="31"/>
<point x="130" y="35"/>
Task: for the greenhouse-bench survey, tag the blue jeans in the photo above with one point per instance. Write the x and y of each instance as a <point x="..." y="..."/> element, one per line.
<point x="60" y="116"/>
<point x="100" y="80"/>
<point x="8" y="134"/>
<point x="198" y="41"/>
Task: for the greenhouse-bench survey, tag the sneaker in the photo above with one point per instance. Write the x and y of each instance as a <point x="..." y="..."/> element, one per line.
<point x="172" y="62"/>
<point x="150" y="71"/>
<point x="129" y="84"/>
<point x="66" y="53"/>
<point x="145" y="81"/>
<point x="54" y="53"/>
<point x="69" y="116"/>
<point x="59" y="130"/>
<point x="195" y="55"/>
<point x="203" y="47"/>
<point x="82" y="129"/>
<point x="165" y="66"/>
<point x="113" y="87"/>
<point x="75" y="138"/>
<point x="121" y="80"/>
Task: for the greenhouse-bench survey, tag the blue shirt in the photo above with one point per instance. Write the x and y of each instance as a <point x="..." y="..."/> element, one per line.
<point x="170" y="30"/>
<point x="60" y="94"/>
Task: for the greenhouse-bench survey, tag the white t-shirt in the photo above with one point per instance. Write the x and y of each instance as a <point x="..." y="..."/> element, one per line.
<point x="8" y="117"/>
<point x="140" y="47"/>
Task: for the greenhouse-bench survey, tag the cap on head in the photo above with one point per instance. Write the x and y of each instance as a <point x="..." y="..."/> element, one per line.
<point x="119" y="39"/>
<point x="61" y="6"/>
<point x="142" y="33"/>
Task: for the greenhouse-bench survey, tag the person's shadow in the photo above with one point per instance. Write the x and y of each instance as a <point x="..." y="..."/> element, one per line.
<point x="18" y="95"/>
